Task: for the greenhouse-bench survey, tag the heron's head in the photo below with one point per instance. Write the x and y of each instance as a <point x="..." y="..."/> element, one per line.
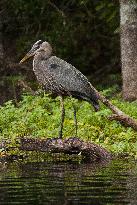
<point x="38" y="47"/>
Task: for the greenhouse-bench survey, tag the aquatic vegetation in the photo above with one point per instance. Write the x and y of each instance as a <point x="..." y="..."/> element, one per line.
<point x="39" y="117"/>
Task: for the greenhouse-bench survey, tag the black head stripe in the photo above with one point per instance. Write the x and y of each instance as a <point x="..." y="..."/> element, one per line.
<point x="39" y="42"/>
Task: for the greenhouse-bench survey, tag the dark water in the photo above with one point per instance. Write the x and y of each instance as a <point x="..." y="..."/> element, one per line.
<point x="63" y="183"/>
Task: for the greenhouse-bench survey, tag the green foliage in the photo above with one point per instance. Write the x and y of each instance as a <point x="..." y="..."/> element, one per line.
<point x="40" y="117"/>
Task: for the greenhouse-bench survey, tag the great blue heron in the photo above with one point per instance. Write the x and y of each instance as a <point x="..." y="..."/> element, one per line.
<point x="58" y="76"/>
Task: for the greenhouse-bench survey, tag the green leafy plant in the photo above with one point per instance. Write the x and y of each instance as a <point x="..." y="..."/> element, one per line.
<point x="39" y="117"/>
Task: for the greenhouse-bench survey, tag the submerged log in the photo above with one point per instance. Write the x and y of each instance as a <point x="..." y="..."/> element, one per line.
<point x="90" y="152"/>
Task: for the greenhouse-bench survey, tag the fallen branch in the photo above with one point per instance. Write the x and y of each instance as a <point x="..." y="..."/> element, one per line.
<point x="118" y="114"/>
<point x="90" y="152"/>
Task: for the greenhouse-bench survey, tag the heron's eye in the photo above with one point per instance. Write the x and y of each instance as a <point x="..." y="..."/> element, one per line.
<point x="37" y="45"/>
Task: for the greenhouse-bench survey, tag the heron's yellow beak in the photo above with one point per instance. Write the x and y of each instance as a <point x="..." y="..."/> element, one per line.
<point x="24" y="59"/>
<point x="27" y="56"/>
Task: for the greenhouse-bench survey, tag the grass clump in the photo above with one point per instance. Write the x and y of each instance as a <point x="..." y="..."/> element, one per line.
<point x="39" y="117"/>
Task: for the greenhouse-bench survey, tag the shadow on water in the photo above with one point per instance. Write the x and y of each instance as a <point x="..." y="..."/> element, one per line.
<point x="63" y="183"/>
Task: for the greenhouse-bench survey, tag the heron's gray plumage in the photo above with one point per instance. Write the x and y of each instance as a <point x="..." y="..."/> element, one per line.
<point x="62" y="78"/>
<point x="58" y="76"/>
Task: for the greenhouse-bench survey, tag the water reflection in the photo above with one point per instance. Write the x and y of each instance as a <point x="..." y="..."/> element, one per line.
<point x="63" y="183"/>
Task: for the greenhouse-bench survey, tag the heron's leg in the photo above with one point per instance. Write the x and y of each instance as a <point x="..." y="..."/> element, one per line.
<point x="75" y="114"/>
<point x="62" y="115"/>
<point x="75" y="118"/>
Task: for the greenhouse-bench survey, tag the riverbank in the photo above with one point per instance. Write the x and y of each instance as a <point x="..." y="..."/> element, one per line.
<point x="39" y="116"/>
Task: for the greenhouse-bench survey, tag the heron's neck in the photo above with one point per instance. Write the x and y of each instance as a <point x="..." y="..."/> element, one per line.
<point x="39" y="59"/>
